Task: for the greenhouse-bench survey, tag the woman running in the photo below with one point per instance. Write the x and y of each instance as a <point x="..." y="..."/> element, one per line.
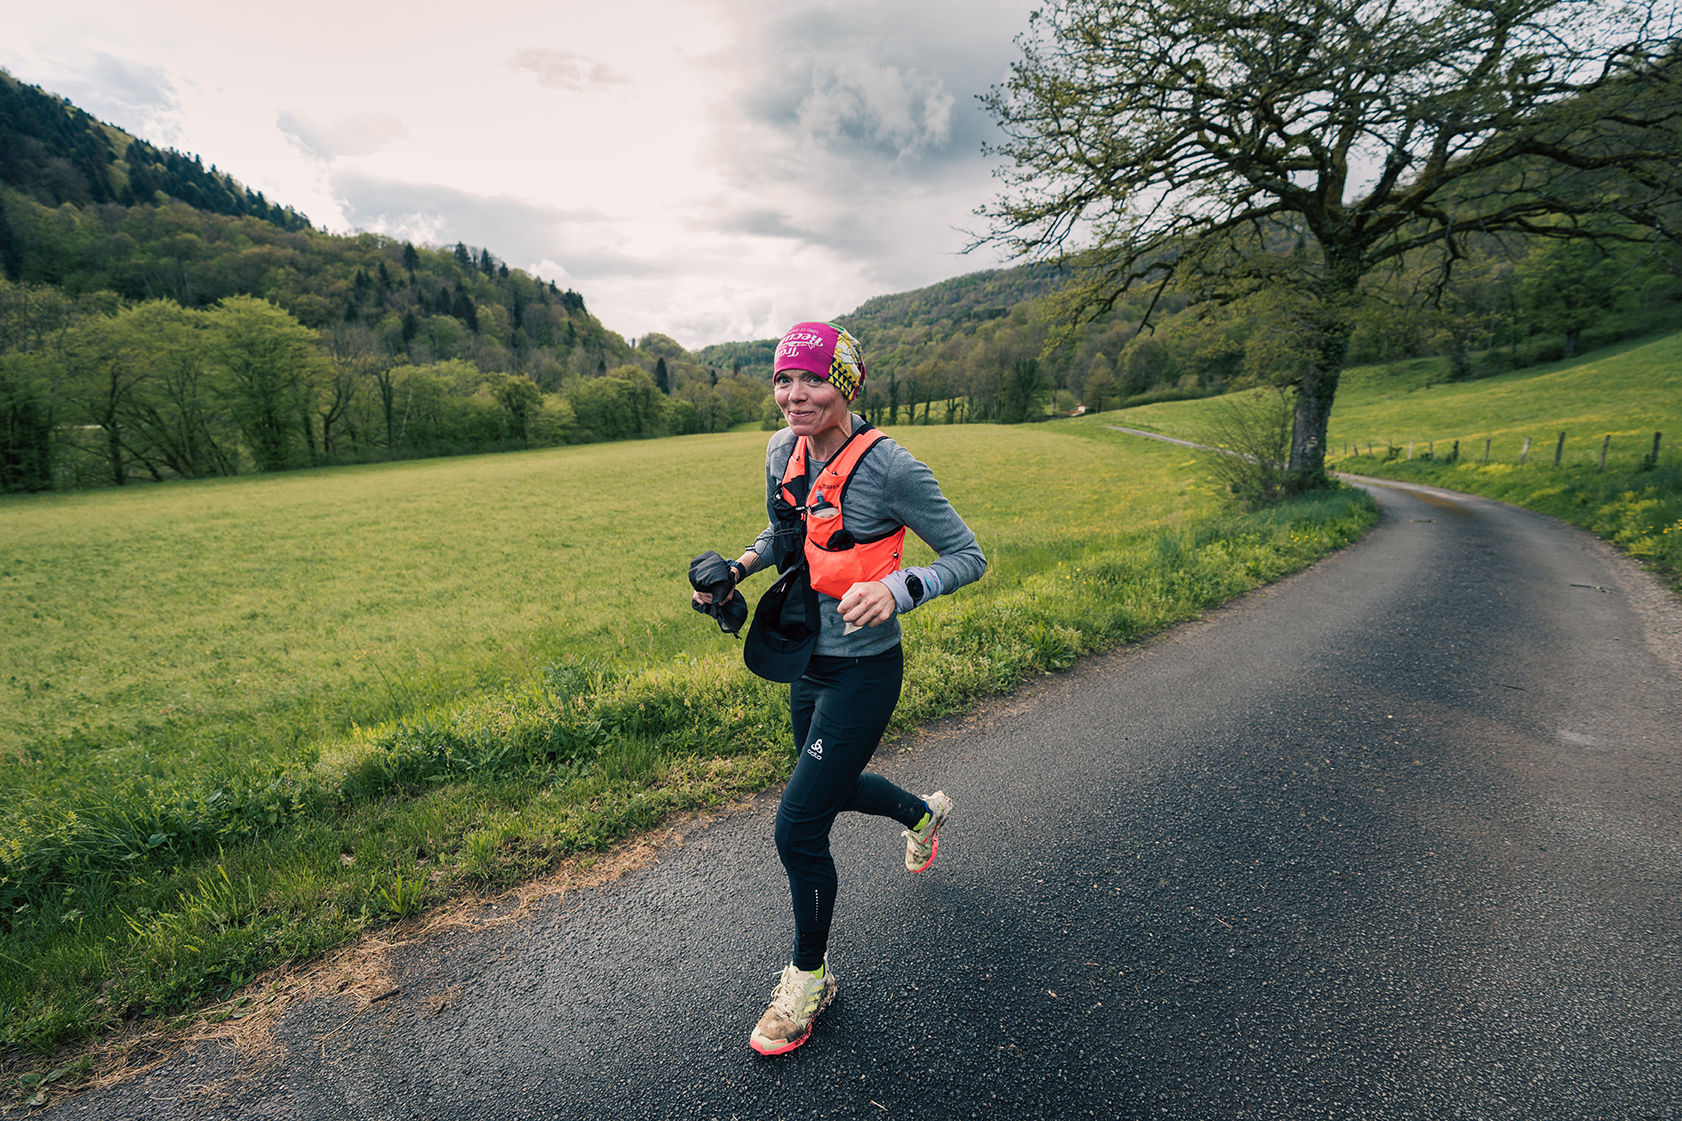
<point x="840" y="496"/>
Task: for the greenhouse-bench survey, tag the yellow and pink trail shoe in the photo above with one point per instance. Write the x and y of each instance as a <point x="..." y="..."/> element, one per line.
<point x="799" y="997"/>
<point x="922" y="843"/>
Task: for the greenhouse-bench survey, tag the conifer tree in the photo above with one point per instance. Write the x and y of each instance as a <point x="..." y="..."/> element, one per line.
<point x="464" y="308"/>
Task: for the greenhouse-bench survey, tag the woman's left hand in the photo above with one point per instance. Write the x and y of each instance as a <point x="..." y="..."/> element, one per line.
<point x="868" y="604"/>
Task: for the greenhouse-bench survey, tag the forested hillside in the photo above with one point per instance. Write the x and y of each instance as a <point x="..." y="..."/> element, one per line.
<point x="158" y="321"/>
<point x="981" y="347"/>
<point x="57" y="154"/>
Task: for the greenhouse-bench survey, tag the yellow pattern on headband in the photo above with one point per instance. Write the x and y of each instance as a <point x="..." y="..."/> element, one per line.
<point x="846" y="365"/>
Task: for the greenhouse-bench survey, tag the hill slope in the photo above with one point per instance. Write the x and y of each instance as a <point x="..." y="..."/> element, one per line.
<point x="56" y="154"/>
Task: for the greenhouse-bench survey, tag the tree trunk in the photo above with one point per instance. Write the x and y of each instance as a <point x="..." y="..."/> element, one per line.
<point x="114" y="454"/>
<point x="388" y="393"/>
<point x="1307" y="465"/>
<point x="1328" y="326"/>
<point x="1459" y="361"/>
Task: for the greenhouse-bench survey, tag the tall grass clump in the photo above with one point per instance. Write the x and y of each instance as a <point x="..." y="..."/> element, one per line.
<point x="146" y="868"/>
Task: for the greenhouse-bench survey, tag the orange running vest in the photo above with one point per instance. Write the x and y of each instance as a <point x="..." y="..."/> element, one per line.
<point x="836" y="559"/>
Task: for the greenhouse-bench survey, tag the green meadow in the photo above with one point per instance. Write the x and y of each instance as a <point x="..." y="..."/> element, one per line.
<point x="1626" y="392"/>
<point x="246" y="719"/>
<point x="256" y="614"/>
<point x="1402" y="422"/>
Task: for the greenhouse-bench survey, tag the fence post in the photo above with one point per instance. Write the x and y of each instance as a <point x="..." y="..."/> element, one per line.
<point x="1486" y="451"/>
<point x="1410" y="449"/>
<point x="1431" y="450"/>
<point x="1655" y="457"/>
<point x="1525" y="454"/>
<point x="1559" y="450"/>
<point x="1604" y="444"/>
<point x="1454" y="456"/>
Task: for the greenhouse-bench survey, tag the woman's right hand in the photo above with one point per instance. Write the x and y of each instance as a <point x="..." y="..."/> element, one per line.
<point x="739" y="568"/>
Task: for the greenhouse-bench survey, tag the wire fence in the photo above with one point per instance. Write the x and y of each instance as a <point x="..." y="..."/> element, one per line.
<point x="1395" y="450"/>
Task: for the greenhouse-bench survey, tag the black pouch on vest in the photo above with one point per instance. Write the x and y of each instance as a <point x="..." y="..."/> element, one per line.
<point x="788" y="541"/>
<point x="785" y="628"/>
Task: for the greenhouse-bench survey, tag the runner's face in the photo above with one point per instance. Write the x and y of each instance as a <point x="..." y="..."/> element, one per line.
<point x="810" y="404"/>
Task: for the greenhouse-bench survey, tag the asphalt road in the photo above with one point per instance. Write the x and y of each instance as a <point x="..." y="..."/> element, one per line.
<point x="1395" y="838"/>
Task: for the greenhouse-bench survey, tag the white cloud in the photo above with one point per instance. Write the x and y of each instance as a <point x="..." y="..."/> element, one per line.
<point x="856" y="100"/>
<point x="549" y="269"/>
<point x="126" y="82"/>
<point x="417" y="226"/>
<point x="135" y="95"/>
<point x="563" y="70"/>
<point x="754" y="161"/>
<point x="349" y="134"/>
<point x="438" y="213"/>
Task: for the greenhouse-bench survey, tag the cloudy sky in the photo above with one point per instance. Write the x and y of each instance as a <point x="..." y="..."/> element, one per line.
<point x="709" y="169"/>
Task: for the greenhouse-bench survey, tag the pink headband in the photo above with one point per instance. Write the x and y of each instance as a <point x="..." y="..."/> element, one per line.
<point x="826" y="350"/>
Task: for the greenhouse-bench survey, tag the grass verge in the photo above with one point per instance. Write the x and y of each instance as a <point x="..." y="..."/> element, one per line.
<point x="145" y="877"/>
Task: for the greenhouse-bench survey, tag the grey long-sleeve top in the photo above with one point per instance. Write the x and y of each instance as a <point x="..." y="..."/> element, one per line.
<point x="889" y="489"/>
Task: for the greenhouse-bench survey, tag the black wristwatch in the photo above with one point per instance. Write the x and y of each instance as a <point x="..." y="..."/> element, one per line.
<point x="914" y="588"/>
<point x="737" y="569"/>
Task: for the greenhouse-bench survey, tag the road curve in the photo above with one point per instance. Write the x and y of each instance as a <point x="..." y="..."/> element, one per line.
<point x="1397" y="837"/>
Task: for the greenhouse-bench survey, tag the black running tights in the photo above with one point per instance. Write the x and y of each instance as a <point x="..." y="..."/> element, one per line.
<point x="840" y="708"/>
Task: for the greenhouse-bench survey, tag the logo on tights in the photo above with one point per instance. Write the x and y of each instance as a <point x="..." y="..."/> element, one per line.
<point x="816" y="750"/>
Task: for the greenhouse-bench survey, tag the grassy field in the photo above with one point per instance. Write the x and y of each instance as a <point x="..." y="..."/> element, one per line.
<point x="1627" y="392"/>
<point x="1410" y="421"/>
<point x="245" y="719"/>
<point x="252" y="615"/>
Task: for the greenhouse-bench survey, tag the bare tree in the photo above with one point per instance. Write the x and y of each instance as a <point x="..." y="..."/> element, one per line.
<point x="355" y="357"/>
<point x="1284" y="150"/>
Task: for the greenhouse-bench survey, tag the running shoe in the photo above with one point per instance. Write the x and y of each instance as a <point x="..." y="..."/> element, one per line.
<point x="800" y="996"/>
<point x="922" y="844"/>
